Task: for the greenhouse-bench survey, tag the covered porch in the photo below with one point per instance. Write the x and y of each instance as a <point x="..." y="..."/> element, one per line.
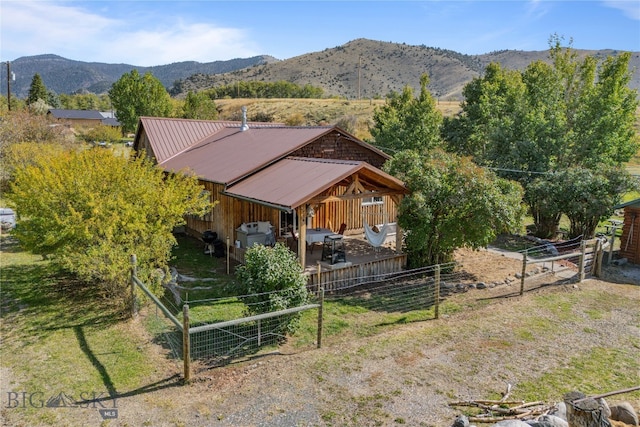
<point x="344" y="199"/>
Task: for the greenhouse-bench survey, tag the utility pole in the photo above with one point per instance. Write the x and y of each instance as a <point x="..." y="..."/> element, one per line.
<point x="8" y="86"/>
<point x="359" y="67"/>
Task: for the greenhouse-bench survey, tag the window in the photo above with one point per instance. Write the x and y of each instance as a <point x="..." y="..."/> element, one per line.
<point x="375" y="200"/>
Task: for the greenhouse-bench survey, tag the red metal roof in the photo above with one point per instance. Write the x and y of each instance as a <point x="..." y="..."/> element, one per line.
<point x="169" y="136"/>
<point x="254" y="164"/>
<point x="293" y="181"/>
<point x="231" y="154"/>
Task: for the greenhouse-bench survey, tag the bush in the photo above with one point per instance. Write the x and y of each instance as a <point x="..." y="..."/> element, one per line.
<point x="275" y="280"/>
<point x="91" y="210"/>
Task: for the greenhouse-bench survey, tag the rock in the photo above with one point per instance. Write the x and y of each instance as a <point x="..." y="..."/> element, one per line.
<point x="553" y="421"/>
<point x="461" y="421"/>
<point x="481" y="285"/>
<point x="560" y="410"/>
<point x="605" y="407"/>
<point x="511" y="423"/>
<point x="624" y="412"/>
<point x="461" y="287"/>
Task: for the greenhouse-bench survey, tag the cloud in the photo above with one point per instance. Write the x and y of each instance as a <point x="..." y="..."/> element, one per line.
<point x="630" y="8"/>
<point x="37" y="27"/>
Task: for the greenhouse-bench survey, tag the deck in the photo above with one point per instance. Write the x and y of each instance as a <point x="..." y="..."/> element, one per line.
<point x="362" y="262"/>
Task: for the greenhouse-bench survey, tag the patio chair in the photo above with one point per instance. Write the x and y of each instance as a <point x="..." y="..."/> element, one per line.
<point x="342" y="229"/>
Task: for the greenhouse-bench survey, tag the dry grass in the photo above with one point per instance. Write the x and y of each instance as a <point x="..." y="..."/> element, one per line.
<point x="354" y="116"/>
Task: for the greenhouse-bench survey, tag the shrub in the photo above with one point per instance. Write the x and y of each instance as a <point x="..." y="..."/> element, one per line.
<point x="275" y="280"/>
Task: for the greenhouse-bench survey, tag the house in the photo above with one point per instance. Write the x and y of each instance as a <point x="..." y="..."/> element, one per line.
<point x="84" y="118"/>
<point x="298" y="179"/>
<point x="629" y="241"/>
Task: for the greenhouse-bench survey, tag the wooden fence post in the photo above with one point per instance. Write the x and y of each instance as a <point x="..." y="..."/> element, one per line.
<point x="437" y="292"/>
<point x="524" y="272"/>
<point x="320" y="316"/>
<point x="597" y="271"/>
<point x="584" y="411"/>
<point x="134" y="272"/>
<point x="186" y="343"/>
<point x="583" y="250"/>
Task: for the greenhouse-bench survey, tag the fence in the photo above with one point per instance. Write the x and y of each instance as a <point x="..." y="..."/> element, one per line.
<point x="196" y="331"/>
<point x="195" y="334"/>
<point x="586" y="255"/>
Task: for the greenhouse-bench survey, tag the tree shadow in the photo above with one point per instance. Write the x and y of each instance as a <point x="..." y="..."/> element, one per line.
<point x="84" y="346"/>
<point x="48" y="300"/>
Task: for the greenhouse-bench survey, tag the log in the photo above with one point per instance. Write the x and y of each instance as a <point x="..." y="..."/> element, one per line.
<point x="584" y="411"/>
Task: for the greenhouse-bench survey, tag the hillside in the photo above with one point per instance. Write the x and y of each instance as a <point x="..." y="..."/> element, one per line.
<point x="63" y="75"/>
<point x="371" y="69"/>
<point x="361" y="68"/>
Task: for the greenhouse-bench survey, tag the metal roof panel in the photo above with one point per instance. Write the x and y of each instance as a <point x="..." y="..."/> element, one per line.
<point x="293" y="181"/>
<point x="231" y="154"/>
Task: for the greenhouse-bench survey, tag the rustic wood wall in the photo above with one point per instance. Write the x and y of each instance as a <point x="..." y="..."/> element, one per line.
<point x="629" y="242"/>
<point x="353" y="213"/>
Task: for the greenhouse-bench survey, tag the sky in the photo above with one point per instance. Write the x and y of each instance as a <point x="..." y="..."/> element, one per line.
<point x="146" y="33"/>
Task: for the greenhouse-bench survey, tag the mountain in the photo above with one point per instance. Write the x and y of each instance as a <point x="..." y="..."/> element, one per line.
<point x="361" y="68"/>
<point x="366" y="68"/>
<point x="63" y="75"/>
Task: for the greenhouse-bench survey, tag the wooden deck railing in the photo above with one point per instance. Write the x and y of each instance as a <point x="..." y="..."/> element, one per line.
<point x="332" y="280"/>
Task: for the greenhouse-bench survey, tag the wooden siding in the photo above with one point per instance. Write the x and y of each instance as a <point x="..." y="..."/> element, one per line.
<point x="333" y="146"/>
<point x="630" y="240"/>
<point x="353" y="213"/>
<point x="228" y="214"/>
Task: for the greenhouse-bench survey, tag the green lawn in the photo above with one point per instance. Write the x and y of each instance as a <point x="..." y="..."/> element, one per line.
<point x="58" y="337"/>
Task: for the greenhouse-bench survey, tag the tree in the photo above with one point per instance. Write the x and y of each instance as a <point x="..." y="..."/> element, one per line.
<point x="453" y="203"/>
<point x="24" y="135"/>
<point x="405" y="122"/>
<point x="37" y="90"/>
<point x="586" y="196"/>
<point x="134" y="95"/>
<point x="91" y="209"/>
<point x="276" y="281"/>
<point x="487" y="114"/>
<point x="198" y="105"/>
<point x="550" y="117"/>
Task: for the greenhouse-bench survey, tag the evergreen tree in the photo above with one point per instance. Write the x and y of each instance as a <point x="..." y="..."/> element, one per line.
<point x="37" y="90"/>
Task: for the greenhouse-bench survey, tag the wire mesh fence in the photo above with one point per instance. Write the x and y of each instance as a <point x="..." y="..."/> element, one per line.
<point x="216" y="331"/>
<point x="163" y="320"/>
<point x="419" y="292"/>
<point x="216" y="344"/>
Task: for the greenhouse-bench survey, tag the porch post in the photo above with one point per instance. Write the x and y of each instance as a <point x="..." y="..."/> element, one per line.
<point x="302" y="236"/>
<point x="399" y="234"/>
<point x="398" y="238"/>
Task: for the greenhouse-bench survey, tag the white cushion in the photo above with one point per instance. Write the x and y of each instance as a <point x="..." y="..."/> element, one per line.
<point x="243" y="227"/>
<point x="264" y="227"/>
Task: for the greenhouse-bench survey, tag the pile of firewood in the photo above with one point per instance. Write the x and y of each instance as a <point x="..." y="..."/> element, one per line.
<point x="577" y="410"/>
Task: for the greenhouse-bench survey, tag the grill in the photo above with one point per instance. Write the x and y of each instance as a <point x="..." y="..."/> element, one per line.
<point x="213" y="245"/>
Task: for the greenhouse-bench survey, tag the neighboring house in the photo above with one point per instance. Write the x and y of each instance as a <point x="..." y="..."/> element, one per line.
<point x="296" y="178"/>
<point x="84" y="118"/>
<point x="629" y="242"/>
